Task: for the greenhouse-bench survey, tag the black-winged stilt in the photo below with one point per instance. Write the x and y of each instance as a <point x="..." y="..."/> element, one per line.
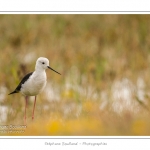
<point x="33" y="83"/>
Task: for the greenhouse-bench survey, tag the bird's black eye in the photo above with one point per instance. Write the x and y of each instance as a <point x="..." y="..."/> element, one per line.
<point x="43" y="63"/>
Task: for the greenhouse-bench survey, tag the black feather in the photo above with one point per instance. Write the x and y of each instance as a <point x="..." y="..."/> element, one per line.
<point x="18" y="88"/>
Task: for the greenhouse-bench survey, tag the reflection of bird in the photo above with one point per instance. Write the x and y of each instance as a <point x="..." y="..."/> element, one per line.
<point x="33" y="83"/>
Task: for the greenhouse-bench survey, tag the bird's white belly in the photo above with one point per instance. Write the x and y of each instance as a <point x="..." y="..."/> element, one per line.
<point x="34" y="85"/>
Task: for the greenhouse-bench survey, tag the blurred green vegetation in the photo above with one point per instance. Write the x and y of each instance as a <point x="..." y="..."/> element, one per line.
<point x="104" y="61"/>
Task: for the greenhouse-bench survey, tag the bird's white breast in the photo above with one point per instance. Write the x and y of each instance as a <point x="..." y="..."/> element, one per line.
<point x="35" y="84"/>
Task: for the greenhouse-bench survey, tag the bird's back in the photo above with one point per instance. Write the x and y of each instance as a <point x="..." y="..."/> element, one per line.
<point x="18" y="88"/>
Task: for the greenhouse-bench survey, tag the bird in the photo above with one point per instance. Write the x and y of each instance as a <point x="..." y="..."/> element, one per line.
<point x="34" y="82"/>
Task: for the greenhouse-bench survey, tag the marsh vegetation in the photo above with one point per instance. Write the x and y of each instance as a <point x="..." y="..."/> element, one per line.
<point x="104" y="60"/>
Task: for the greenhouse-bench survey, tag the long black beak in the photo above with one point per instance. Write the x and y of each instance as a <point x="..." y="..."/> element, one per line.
<point x="53" y="69"/>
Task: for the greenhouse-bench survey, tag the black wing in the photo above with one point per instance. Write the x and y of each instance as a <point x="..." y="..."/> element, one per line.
<point x="26" y="77"/>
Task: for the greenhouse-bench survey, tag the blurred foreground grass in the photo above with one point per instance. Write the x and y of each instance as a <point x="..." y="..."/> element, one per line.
<point x="104" y="61"/>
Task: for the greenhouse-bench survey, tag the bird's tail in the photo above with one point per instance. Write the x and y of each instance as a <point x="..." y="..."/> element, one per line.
<point x="13" y="92"/>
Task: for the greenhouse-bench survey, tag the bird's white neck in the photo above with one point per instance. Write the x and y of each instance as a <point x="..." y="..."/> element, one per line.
<point x="39" y="69"/>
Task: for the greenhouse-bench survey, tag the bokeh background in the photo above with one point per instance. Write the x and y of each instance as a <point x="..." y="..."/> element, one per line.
<point x="104" y="60"/>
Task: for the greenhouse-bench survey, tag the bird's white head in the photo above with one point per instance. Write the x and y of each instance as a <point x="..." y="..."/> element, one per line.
<point x="42" y="63"/>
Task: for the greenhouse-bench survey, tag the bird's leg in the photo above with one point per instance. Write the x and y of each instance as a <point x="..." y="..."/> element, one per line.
<point x="26" y="102"/>
<point x="33" y="108"/>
